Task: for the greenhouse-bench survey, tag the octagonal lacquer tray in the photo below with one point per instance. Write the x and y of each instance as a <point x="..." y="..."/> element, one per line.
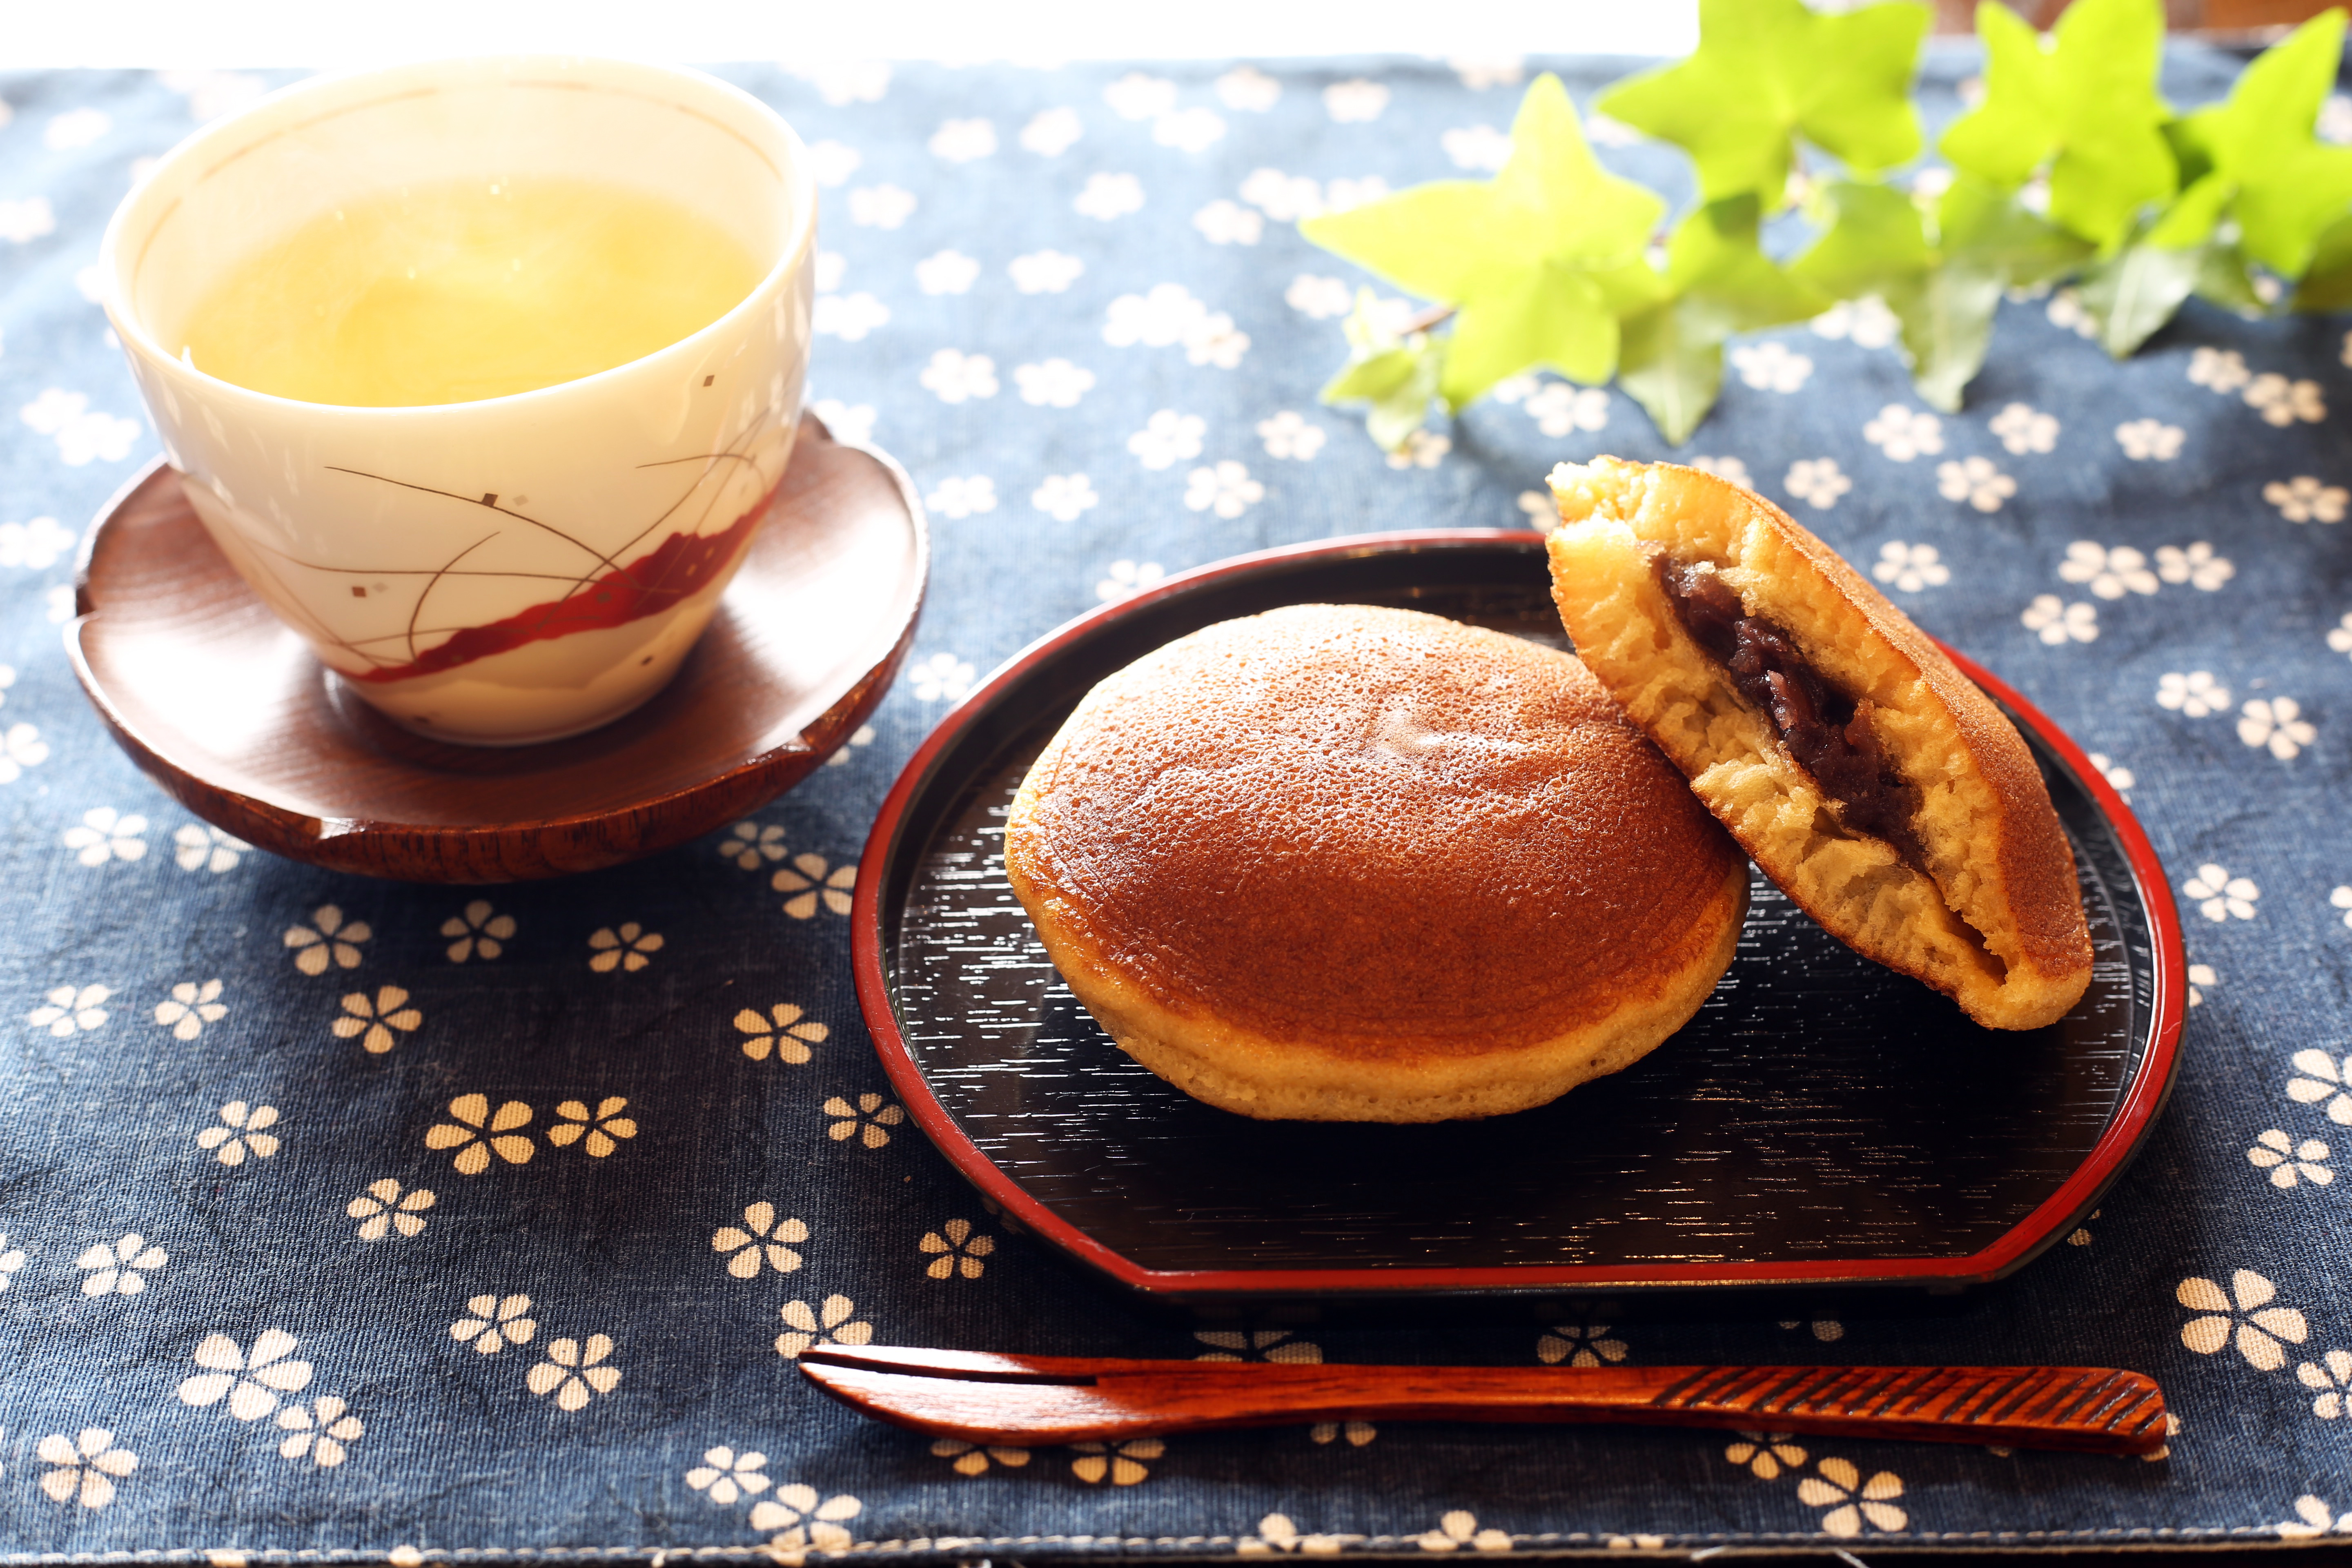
<point x="1821" y="1122"/>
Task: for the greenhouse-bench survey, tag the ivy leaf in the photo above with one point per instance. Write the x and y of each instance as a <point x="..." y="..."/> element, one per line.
<point x="1721" y="283"/>
<point x="2327" y="282"/>
<point x="1767" y="72"/>
<point x="2085" y="101"/>
<point x="2257" y="152"/>
<point x="1539" y="262"/>
<point x="1397" y="375"/>
<point x="1941" y="270"/>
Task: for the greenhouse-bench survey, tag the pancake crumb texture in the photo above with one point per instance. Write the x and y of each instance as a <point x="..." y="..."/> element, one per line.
<point x="1992" y="916"/>
<point x="1346" y="863"/>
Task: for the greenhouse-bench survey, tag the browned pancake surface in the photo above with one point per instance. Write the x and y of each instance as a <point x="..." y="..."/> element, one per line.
<point x="1374" y="829"/>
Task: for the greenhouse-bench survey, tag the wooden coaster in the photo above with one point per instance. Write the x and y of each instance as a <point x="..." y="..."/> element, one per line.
<point x="227" y="708"/>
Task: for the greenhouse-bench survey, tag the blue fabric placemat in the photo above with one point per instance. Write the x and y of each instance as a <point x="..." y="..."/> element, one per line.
<point x="288" y="1270"/>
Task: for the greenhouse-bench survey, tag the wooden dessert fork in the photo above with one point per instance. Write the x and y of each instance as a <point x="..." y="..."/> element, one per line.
<point x="1023" y="1400"/>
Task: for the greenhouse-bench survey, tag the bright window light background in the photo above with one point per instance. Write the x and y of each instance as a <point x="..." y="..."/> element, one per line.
<point x="274" y="33"/>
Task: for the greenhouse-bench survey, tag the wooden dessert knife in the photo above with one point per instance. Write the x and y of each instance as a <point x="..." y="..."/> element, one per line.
<point x="1022" y="1399"/>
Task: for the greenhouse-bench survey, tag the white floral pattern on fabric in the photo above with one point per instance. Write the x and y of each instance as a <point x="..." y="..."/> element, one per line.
<point x="1771" y="366"/>
<point x="2196" y="565"/>
<point x="103" y="834"/>
<point x="12" y="1259"/>
<point x="962" y="141"/>
<point x="2110" y="573"/>
<point x="2057" y="623"/>
<point x="1135" y="96"/>
<point x="1125" y="578"/>
<point x="1903" y="433"/>
<point x="1459" y="1529"/>
<point x="1865" y="323"/>
<point x="2114" y="772"/>
<point x="377" y="1018"/>
<point x="1247" y="90"/>
<point x="1291" y="435"/>
<point x="2066" y="310"/>
<point x="2222" y="370"/>
<point x="1910" y="567"/>
<point x="21" y="747"/>
<point x="1422" y="449"/>
<point x="725" y="1477"/>
<point x="477" y="1132"/>
<point x="1542" y="511"/>
<point x="1225" y="488"/>
<point x="1275" y="1532"/>
<point x="84" y="1469"/>
<point x="202" y="848"/>
<point x="1479" y="148"/>
<point x="1729" y="470"/>
<point x="1225" y="222"/>
<point x="1479" y="72"/>
<point x="22" y="222"/>
<point x="82" y="433"/>
<point x="1122" y="1464"/>
<point x="250" y="1382"/>
<point x="962" y="496"/>
<point x="2281" y="402"/>
<point x="1052" y="131"/>
<point x="2276" y="724"/>
<point x="630" y="947"/>
<point x="831" y="265"/>
<point x="954" y="377"/>
<point x="880" y="207"/>
<point x="1765" y="1454"/>
<point x="322" y="1434"/>
<point x="1974" y="480"/>
<point x="2303" y="499"/>
<point x="328" y="938"/>
<point x="1063" y="497"/>
<point x="1190" y="129"/>
<point x="39" y="544"/>
<point x="496" y="1323"/>
<point x="1278" y="1345"/>
<point x="2340" y="898"/>
<point x="762" y="1238"/>
<point x="1853" y="1501"/>
<point x="833" y="1321"/>
<point x="812" y="887"/>
<point x="959" y="1250"/>
<point x="849" y="317"/>
<point x="384" y="1208"/>
<point x="1044" y="271"/>
<point x="868" y="1121"/>
<point x="1055" y="384"/>
<point x="1579" y="1345"/>
<point x="2195" y="695"/>
<point x="1559" y="409"/>
<point x="2312" y="1518"/>
<point x="2200" y="976"/>
<point x="1167" y="437"/>
<point x="2287" y="1160"/>
<point x="2219" y="895"/>
<point x="782" y="1029"/>
<point x="1816" y="481"/>
<point x="2022" y="429"/>
<point x="2150" y="440"/>
<point x="1355" y="102"/>
<point x="1357" y="1433"/>
<point x="847" y="421"/>
<point x="972" y="1460"/>
<point x="119" y="1268"/>
<point x="2330" y="1374"/>
<point x="2243" y="1315"/>
<point x="243" y="1128"/>
<point x="1108" y="197"/>
<point x="480" y="932"/>
<point x="574" y="1371"/>
<point x="805" y="1523"/>
<point x="1319" y="299"/>
<point x="66" y="1010"/>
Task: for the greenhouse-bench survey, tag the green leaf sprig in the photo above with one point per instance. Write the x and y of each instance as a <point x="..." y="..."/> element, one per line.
<point x="2073" y="166"/>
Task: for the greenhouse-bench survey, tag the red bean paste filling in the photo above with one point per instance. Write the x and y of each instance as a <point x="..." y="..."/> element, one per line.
<point x="1827" y="732"/>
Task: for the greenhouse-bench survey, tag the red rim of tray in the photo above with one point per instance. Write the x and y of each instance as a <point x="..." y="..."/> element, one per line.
<point x="2143" y="1096"/>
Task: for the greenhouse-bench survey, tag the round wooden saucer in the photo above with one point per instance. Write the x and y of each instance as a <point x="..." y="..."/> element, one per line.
<point x="228" y="709"/>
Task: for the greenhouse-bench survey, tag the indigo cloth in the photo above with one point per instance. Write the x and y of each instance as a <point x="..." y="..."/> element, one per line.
<point x="352" y="1220"/>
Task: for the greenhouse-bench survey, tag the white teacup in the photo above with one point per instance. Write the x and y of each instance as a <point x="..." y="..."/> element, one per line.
<point x="518" y="568"/>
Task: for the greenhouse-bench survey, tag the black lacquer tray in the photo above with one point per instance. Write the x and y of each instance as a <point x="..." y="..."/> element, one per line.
<point x="1821" y="1121"/>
